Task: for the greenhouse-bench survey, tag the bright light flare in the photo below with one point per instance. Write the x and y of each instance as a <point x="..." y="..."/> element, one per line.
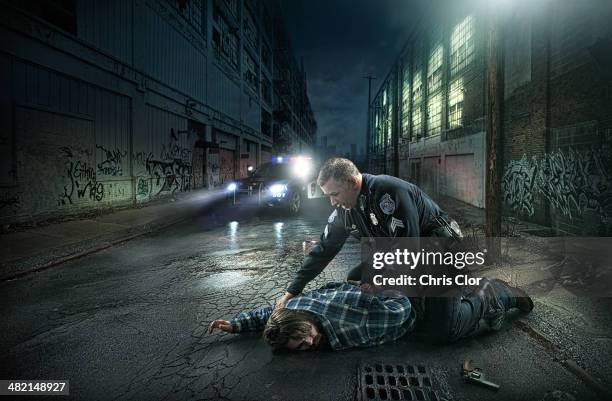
<point x="277" y="190"/>
<point x="301" y="167"/>
<point x="232" y="187"/>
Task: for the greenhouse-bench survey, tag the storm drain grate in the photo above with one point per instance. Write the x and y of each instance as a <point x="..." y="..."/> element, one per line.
<point x="386" y="381"/>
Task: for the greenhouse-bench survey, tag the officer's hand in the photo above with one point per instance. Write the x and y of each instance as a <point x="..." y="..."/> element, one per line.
<point x="282" y="300"/>
<point x="222" y="325"/>
<point x="367" y="288"/>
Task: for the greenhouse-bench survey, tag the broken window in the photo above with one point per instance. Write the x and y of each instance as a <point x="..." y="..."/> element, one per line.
<point x="455" y="104"/>
<point x="61" y="13"/>
<point x="249" y="29"/>
<point x="251" y="74"/>
<point x="192" y="12"/>
<point x="232" y="6"/>
<point x="461" y="45"/>
<point x="266" y="90"/>
<point x="266" y="123"/>
<point x="434" y="114"/>
<point x="266" y="56"/>
<point x="225" y="41"/>
<point x="406" y="99"/>
<point x="417" y="99"/>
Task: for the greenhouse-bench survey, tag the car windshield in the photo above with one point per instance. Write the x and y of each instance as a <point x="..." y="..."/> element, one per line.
<point x="272" y="170"/>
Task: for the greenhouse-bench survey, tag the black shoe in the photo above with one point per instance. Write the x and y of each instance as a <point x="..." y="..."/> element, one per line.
<point x="523" y="301"/>
<point x="493" y="311"/>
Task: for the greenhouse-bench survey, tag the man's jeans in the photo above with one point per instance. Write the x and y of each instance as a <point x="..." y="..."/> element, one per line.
<point x="462" y="312"/>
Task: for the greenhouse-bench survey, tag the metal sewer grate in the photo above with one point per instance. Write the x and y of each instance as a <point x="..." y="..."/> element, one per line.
<point x="386" y="381"/>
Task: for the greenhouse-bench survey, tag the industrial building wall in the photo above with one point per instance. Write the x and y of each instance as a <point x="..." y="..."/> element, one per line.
<point x="558" y="122"/>
<point x="132" y="107"/>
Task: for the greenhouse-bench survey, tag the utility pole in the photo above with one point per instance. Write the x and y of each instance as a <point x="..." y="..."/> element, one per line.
<point x="494" y="139"/>
<point x="368" y="144"/>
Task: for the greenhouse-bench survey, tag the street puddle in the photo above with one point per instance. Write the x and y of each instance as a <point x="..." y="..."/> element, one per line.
<point x="225" y="280"/>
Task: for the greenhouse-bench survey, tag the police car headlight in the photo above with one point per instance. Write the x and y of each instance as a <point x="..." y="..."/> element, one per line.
<point x="278" y="190"/>
<point x="302" y="167"/>
<point x="232" y="187"/>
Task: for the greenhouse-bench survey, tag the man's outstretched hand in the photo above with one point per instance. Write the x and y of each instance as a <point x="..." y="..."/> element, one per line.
<point x="222" y="325"/>
<point x="282" y="300"/>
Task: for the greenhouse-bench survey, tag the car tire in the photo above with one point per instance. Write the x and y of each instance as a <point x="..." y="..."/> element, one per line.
<point x="295" y="202"/>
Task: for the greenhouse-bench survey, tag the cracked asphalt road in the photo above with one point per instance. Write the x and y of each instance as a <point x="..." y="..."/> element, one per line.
<point x="129" y="323"/>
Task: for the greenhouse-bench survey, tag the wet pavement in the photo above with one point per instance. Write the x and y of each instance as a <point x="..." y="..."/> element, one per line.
<point x="129" y="322"/>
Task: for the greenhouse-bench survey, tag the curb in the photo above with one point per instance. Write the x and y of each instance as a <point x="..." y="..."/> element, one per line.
<point x="569" y="364"/>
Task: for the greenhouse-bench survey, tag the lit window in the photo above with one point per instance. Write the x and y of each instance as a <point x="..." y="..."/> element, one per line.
<point x="406" y="100"/>
<point x="417" y="98"/>
<point x="455" y="104"/>
<point x="461" y="45"/>
<point x="434" y="70"/>
<point x="434" y="114"/>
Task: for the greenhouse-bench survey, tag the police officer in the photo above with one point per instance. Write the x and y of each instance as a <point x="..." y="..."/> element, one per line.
<point x="384" y="206"/>
<point x="368" y="206"/>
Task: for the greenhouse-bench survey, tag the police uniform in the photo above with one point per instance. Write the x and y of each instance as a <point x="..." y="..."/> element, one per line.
<point x="386" y="207"/>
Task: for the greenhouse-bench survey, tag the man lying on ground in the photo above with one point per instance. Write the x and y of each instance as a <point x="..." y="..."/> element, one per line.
<point x="341" y="316"/>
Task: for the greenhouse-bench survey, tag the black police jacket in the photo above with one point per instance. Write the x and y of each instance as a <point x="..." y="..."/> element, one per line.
<point x="386" y="207"/>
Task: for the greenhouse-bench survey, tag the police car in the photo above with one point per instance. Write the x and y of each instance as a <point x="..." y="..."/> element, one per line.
<point x="285" y="182"/>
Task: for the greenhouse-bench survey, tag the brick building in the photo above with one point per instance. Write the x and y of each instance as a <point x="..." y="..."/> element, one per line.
<point x="108" y="103"/>
<point x="428" y="118"/>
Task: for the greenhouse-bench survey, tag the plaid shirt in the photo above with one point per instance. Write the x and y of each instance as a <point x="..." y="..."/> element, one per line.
<point x="349" y="317"/>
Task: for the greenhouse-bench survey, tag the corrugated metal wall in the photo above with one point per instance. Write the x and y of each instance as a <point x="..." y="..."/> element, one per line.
<point x="108" y="26"/>
<point x="170" y="57"/>
<point x="163" y="157"/>
<point x="72" y="142"/>
<point x="223" y="92"/>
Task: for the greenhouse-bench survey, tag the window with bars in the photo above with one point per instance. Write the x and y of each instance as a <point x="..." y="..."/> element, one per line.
<point x="462" y="45"/>
<point x="455" y="104"/>
<point x="266" y="56"/>
<point x="249" y="29"/>
<point x="417" y="99"/>
<point x="434" y="114"/>
<point x="192" y="12"/>
<point x="405" y="100"/>
<point x="434" y="69"/>
<point x="232" y="6"/>
<point x="251" y="75"/>
<point x="225" y="40"/>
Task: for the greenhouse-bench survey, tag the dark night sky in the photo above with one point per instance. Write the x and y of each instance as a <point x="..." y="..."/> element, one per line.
<point x="341" y="42"/>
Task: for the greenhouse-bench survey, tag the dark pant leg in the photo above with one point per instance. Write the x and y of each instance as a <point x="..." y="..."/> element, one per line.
<point x="460" y="312"/>
<point x="451" y="317"/>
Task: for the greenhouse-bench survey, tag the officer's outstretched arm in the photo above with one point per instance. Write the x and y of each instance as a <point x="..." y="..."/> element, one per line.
<point x="333" y="238"/>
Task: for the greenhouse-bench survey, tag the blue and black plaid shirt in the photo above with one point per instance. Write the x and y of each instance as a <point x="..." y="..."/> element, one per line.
<point x="349" y="317"/>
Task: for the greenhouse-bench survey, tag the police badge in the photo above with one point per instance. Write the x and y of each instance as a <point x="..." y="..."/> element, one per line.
<point x="387" y="205"/>
<point x="332" y="216"/>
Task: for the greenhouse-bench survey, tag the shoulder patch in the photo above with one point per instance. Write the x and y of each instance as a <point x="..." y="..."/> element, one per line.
<point x="387" y="205"/>
<point x="333" y="216"/>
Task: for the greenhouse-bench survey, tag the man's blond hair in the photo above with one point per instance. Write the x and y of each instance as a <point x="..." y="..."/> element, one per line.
<point x="339" y="169"/>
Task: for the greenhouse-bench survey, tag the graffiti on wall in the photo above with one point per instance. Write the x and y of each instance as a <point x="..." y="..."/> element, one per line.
<point x="112" y="162"/>
<point x="10" y="202"/>
<point x="142" y="187"/>
<point x="81" y="177"/>
<point x="572" y="182"/>
<point x="171" y="172"/>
